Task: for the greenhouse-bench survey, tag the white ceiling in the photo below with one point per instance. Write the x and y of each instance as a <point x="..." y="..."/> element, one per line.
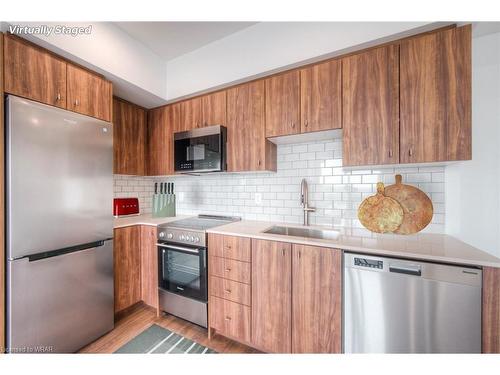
<point x="172" y="39"/>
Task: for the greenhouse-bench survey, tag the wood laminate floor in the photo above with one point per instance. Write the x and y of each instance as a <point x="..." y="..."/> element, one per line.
<point x="140" y="317"/>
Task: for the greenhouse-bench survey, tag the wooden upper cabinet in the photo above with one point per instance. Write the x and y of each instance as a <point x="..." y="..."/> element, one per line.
<point x="161" y="122"/>
<point x="189" y="115"/>
<point x="436" y="96"/>
<point x="271" y="296"/>
<point x="283" y="104"/>
<point x="247" y="147"/>
<point x="213" y="109"/>
<point x="129" y="138"/>
<point x="316" y="300"/>
<point x="370" y="103"/>
<point x="321" y="97"/>
<point x="33" y="73"/>
<point x="88" y="93"/>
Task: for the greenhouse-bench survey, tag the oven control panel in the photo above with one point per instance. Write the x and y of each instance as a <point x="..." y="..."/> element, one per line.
<point x="182" y="236"/>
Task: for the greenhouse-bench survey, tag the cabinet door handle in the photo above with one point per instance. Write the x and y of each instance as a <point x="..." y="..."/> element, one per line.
<point x="306" y="123"/>
<point x="228" y="291"/>
<point x="77" y="102"/>
<point x="410" y="152"/>
<point x="390" y="153"/>
<point x="58" y="97"/>
<point x="228" y="270"/>
<point x="227" y="318"/>
<point x="298" y="254"/>
<point x="283" y="252"/>
<point x="228" y="247"/>
<point x="292" y="125"/>
<point x="259" y="163"/>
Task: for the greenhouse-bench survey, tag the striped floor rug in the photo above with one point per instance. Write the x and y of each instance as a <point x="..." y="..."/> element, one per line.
<point x="158" y="340"/>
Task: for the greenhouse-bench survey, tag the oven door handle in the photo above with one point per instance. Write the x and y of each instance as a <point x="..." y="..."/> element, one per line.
<point x="187" y="249"/>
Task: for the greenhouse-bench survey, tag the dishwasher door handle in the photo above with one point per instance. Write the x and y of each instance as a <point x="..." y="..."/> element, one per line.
<point x="415" y="271"/>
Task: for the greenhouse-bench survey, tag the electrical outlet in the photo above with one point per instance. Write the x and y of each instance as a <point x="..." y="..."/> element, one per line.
<point x="258" y="199"/>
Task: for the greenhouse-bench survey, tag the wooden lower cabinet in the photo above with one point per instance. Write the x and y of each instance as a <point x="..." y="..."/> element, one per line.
<point x="135" y="266"/>
<point x="230" y="318"/>
<point x="291" y="304"/>
<point x="231" y="290"/>
<point x="149" y="266"/>
<point x="491" y="310"/>
<point x="316" y="300"/>
<point x="229" y="287"/>
<point x="2" y="206"/>
<point x="231" y="247"/>
<point x="271" y="296"/>
<point x="127" y="266"/>
<point x="230" y="269"/>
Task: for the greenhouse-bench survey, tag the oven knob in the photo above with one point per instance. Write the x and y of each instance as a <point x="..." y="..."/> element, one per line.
<point x="170" y="235"/>
<point x="197" y="239"/>
<point x="161" y="234"/>
<point x="191" y="238"/>
<point x="182" y="237"/>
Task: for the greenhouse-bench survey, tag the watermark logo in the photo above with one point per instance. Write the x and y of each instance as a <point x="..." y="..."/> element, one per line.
<point x="47" y="30"/>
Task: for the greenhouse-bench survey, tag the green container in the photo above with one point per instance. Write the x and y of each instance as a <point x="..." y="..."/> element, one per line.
<point x="163" y="205"/>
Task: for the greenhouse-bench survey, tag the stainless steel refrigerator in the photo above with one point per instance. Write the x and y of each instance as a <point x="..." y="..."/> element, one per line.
<point x="59" y="173"/>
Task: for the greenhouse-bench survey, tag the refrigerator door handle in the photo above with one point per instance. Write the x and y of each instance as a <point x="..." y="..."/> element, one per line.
<point x="66" y="250"/>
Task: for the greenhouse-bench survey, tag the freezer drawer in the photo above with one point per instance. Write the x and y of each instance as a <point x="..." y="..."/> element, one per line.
<point x="401" y="306"/>
<point x="60" y="304"/>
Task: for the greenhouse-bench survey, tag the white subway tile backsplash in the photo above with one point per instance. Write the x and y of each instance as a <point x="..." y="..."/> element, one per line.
<point x="334" y="191"/>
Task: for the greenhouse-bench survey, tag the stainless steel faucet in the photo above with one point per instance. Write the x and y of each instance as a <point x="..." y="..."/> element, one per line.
<point x="304" y="201"/>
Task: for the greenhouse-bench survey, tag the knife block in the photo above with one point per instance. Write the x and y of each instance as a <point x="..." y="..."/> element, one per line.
<point x="163" y="205"/>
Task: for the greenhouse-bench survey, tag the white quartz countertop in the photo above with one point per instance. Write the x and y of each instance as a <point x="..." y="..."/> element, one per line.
<point x="423" y="246"/>
<point x="144" y="219"/>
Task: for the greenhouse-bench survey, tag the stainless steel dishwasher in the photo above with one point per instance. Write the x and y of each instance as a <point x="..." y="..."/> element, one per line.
<point x="394" y="305"/>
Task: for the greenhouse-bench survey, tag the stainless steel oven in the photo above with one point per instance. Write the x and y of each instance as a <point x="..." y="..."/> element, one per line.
<point x="200" y="150"/>
<point x="182" y="266"/>
<point x="183" y="270"/>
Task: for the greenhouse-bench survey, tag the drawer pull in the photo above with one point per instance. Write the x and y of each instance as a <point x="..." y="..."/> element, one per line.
<point x="228" y="247"/>
<point x="228" y="291"/>
<point x="228" y="269"/>
<point x="227" y="318"/>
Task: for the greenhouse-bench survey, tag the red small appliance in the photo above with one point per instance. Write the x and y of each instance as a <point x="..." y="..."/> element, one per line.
<point x="125" y="206"/>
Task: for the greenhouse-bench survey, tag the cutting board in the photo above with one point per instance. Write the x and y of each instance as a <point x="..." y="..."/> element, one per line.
<point x="380" y="213"/>
<point x="417" y="206"/>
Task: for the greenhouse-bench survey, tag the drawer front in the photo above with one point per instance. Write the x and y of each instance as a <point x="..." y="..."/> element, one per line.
<point x="230" y="318"/>
<point x="230" y="290"/>
<point x="229" y="269"/>
<point x="231" y="247"/>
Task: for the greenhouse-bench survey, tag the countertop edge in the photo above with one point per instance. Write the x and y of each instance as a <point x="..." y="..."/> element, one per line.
<point x="361" y="249"/>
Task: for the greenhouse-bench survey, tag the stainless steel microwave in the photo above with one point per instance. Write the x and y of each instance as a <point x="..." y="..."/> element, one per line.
<point x="200" y="150"/>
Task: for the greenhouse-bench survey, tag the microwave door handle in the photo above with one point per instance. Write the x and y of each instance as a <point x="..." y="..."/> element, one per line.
<point x="187" y="249"/>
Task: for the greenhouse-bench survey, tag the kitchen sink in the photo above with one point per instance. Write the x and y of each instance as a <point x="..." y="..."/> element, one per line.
<point x="304" y="232"/>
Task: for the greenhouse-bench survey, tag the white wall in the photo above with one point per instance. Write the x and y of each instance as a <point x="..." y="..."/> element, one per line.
<point x="268" y="46"/>
<point x="138" y="74"/>
<point x="473" y="187"/>
<point x="334" y="191"/>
